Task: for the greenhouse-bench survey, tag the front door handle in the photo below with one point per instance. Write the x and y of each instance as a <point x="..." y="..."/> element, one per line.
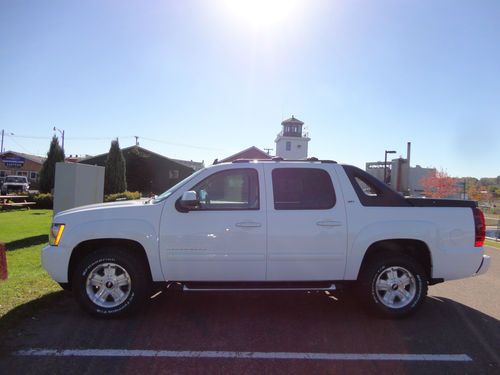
<point x="329" y="223"/>
<point x="248" y="224"/>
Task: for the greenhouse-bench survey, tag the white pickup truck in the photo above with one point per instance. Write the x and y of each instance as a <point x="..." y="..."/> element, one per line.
<point x="267" y="225"/>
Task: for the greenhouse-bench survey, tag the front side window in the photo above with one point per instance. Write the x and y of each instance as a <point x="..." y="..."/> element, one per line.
<point x="235" y="189"/>
<point x="302" y="189"/>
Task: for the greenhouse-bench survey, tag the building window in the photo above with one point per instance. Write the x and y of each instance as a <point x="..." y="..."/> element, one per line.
<point x="302" y="189"/>
<point x="236" y="189"/>
<point x="288" y="145"/>
<point x="3" y="173"/>
<point x="33" y="175"/>
<point x="173" y="174"/>
<point x="22" y="173"/>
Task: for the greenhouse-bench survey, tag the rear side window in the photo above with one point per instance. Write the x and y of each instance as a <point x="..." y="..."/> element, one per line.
<point x="302" y="189"/>
<point x="367" y="188"/>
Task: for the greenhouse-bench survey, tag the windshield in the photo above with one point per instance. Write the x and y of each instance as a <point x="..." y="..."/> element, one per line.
<point x="176" y="187"/>
<point x="16" y="179"/>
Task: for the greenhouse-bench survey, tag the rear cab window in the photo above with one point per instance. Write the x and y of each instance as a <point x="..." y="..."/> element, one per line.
<point x="371" y="191"/>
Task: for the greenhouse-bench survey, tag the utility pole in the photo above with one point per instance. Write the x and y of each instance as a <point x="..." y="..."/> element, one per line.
<point x="268" y="150"/>
<point x="62" y="136"/>
<point x="385" y="165"/>
<point x="3" y="134"/>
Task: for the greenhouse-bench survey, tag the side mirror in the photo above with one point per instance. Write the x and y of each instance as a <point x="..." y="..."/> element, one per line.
<point x="189" y="200"/>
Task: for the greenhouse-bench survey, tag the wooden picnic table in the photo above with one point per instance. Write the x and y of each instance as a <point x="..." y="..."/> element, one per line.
<point x="10" y="201"/>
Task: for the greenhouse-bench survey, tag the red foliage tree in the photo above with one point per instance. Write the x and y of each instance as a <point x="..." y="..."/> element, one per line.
<point x="438" y="184"/>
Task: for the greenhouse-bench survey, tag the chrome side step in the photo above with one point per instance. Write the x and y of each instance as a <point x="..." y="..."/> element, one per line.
<point x="187" y="288"/>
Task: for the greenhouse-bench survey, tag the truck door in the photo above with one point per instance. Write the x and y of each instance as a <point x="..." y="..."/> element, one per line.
<point x="224" y="239"/>
<point x="307" y="229"/>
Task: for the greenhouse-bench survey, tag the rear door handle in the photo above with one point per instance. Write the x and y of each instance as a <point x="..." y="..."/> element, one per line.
<point x="248" y="224"/>
<point x="329" y="223"/>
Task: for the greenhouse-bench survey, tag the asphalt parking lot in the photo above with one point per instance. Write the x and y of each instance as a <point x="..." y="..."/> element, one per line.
<point x="457" y="331"/>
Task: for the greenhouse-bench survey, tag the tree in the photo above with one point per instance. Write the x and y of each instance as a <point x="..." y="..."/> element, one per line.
<point x="437" y="184"/>
<point x="48" y="171"/>
<point x="115" y="174"/>
<point x="474" y="192"/>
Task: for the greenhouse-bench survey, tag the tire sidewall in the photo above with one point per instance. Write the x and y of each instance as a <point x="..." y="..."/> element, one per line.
<point x="137" y="287"/>
<point x="420" y="283"/>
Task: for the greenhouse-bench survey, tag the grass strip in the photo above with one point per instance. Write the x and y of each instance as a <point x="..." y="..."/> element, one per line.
<point x="24" y="233"/>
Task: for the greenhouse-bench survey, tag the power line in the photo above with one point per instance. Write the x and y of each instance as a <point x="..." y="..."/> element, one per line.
<point x="182" y="144"/>
<point x="70" y="138"/>
<point x="123" y="137"/>
<point x="24" y="148"/>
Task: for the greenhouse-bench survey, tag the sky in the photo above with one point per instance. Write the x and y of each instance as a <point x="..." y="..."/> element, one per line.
<point x="200" y="80"/>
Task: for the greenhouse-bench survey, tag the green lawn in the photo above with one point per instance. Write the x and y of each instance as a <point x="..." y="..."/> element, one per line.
<point x="492" y="243"/>
<point x="25" y="233"/>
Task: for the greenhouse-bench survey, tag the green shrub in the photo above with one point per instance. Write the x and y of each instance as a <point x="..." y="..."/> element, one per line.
<point x="125" y="196"/>
<point x="42" y="200"/>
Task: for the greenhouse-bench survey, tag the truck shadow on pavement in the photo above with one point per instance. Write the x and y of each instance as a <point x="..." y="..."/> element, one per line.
<point x="302" y="322"/>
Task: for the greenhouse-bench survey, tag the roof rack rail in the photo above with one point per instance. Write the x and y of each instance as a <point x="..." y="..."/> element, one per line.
<point x="278" y="159"/>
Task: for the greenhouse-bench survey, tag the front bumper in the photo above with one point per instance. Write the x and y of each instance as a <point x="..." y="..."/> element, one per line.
<point x="55" y="260"/>
<point x="485" y="264"/>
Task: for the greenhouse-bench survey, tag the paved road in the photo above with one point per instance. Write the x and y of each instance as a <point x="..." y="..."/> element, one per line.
<point x="460" y="318"/>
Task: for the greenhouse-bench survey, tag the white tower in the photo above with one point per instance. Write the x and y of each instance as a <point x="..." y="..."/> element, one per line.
<point x="290" y="142"/>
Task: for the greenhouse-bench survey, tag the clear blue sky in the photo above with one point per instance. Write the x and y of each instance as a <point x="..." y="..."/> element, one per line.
<point x="204" y="79"/>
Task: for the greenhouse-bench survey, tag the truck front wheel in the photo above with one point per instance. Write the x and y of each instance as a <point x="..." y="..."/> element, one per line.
<point x="110" y="282"/>
<point x="395" y="286"/>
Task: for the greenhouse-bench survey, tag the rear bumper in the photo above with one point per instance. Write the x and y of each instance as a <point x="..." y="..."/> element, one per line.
<point x="485" y="264"/>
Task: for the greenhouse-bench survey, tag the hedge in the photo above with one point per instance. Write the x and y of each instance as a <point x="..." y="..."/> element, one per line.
<point x="42" y="200"/>
<point x="46" y="201"/>
<point x="125" y="196"/>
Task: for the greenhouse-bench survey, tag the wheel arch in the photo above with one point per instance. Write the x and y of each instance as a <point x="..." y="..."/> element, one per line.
<point x="416" y="249"/>
<point x="89" y="246"/>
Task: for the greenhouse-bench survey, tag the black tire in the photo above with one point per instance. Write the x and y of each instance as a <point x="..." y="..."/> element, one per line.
<point x="392" y="271"/>
<point x="117" y="279"/>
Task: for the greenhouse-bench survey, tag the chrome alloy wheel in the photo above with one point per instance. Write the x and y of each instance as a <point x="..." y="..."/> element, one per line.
<point x="395" y="287"/>
<point x="108" y="285"/>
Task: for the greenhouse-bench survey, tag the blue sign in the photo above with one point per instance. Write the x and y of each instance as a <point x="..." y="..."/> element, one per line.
<point x="13" y="161"/>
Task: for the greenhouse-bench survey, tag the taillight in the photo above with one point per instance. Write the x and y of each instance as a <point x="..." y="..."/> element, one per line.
<point x="480" y="227"/>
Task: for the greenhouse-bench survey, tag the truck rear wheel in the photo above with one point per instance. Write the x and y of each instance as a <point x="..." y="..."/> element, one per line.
<point x="394" y="287"/>
<point x="110" y="282"/>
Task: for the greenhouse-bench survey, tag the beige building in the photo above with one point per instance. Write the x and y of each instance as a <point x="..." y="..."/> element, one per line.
<point x="19" y="164"/>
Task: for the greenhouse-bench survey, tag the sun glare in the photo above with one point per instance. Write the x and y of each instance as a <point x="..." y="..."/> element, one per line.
<point x="262" y="14"/>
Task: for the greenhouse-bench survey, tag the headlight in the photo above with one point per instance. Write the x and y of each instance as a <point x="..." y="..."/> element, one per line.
<point x="55" y="234"/>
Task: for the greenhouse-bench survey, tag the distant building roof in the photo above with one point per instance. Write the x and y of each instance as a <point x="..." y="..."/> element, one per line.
<point x="191" y="164"/>
<point x="77" y="158"/>
<point x="292" y="120"/>
<point x="196" y="165"/>
<point x="33" y="158"/>
<point x="248" y="153"/>
<point x="147" y="171"/>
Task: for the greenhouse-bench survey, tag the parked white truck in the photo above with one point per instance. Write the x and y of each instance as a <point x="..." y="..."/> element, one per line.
<point x="267" y="225"/>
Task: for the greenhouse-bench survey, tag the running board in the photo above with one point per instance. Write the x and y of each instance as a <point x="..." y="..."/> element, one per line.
<point x="242" y="287"/>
